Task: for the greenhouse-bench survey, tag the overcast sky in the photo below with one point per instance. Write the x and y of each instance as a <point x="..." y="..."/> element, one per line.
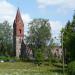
<point x="57" y="11"/>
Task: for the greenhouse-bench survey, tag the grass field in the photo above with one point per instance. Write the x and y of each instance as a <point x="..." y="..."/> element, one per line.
<point x="25" y="68"/>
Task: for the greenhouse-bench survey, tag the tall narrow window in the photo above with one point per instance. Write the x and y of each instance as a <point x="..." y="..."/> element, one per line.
<point x="20" y="31"/>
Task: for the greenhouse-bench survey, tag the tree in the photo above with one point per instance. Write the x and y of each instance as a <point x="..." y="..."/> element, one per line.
<point x="69" y="40"/>
<point x="39" y="36"/>
<point x="5" y="38"/>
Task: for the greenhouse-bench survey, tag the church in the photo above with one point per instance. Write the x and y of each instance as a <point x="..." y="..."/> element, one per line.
<point x="20" y="48"/>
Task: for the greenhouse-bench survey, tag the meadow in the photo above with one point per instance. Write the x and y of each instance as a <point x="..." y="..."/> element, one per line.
<point x="25" y="68"/>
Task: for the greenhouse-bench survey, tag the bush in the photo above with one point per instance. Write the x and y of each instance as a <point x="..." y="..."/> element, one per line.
<point x="39" y="58"/>
<point x="71" y="68"/>
<point x="56" y="60"/>
<point x="6" y="58"/>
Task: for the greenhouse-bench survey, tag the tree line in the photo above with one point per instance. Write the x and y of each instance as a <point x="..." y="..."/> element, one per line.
<point x="39" y="39"/>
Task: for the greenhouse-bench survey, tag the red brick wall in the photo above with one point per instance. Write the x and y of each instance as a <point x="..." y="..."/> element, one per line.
<point x="19" y="29"/>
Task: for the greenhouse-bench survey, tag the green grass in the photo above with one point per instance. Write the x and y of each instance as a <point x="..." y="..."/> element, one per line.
<point x="25" y="68"/>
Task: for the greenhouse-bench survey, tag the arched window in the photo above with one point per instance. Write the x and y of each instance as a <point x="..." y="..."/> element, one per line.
<point x="20" y="31"/>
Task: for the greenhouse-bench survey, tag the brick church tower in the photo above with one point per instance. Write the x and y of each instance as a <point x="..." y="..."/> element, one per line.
<point x="18" y="34"/>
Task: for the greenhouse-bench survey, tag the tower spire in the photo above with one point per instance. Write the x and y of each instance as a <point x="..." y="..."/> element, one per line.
<point x="18" y="16"/>
<point x="18" y="33"/>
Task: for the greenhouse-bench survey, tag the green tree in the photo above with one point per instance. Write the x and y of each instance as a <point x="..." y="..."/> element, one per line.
<point x="5" y="38"/>
<point x="69" y="40"/>
<point x="39" y="36"/>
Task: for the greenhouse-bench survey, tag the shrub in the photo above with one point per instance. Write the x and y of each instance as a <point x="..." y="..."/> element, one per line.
<point x="6" y="58"/>
<point x="71" y="68"/>
<point x="39" y="58"/>
<point x="56" y="60"/>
